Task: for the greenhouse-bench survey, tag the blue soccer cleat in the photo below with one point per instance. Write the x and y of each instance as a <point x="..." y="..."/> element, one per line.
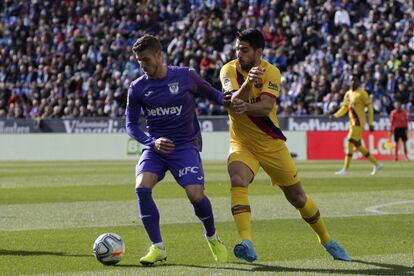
<point x="336" y="251"/>
<point x="245" y="251"/>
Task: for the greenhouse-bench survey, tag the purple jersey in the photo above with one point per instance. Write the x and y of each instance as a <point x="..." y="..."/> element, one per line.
<point x="168" y="105"/>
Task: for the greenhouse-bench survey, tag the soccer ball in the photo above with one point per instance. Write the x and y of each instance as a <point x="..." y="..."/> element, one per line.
<point x="109" y="248"/>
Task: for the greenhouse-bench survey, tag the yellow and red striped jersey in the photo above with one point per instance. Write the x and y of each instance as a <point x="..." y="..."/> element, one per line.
<point x="354" y="103"/>
<point x="256" y="132"/>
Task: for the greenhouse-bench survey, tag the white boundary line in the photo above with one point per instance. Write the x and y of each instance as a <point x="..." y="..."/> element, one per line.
<point x="375" y="209"/>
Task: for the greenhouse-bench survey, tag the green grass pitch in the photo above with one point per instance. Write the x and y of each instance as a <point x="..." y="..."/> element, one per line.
<point x="51" y="212"/>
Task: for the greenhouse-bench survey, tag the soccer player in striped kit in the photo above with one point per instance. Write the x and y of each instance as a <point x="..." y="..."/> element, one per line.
<point x="257" y="141"/>
<point x="355" y="101"/>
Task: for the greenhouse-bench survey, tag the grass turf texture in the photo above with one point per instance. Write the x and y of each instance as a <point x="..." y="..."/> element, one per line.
<point x="51" y="212"/>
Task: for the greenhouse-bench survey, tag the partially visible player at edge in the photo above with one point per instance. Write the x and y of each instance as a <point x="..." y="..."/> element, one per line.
<point x="166" y="97"/>
<point x="256" y="140"/>
<point x="355" y="101"/>
<point x="399" y="127"/>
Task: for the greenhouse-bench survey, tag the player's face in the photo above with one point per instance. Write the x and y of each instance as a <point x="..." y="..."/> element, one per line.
<point x="246" y="55"/>
<point x="149" y="61"/>
<point x="397" y="105"/>
<point x="354" y="83"/>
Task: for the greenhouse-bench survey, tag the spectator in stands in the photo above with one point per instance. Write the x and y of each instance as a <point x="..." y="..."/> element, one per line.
<point x="58" y="46"/>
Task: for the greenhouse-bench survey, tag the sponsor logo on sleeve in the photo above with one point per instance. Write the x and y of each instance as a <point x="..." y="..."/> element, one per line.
<point x="273" y="86"/>
<point x="226" y="83"/>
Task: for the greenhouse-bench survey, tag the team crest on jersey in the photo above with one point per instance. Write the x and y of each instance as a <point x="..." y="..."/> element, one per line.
<point x="273" y="86"/>
<point x="173" y="87"/>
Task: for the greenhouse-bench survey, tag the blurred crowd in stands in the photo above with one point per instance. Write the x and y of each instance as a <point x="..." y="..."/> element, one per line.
<point x="70" y="59"/>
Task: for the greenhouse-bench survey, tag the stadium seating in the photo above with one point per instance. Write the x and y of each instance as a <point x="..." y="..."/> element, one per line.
<point x="70" y="59"/>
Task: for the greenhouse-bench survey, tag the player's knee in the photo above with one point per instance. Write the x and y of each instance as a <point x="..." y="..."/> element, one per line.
<point x="238" y="181"/>
<point x="354" y="142"/>
<point x="298" y="200"/>
<point x="195" y="193"/>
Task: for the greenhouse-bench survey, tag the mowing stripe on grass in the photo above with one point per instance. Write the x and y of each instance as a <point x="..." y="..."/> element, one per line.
<point x="17" y="217"/>
<point x="387" y="264"/>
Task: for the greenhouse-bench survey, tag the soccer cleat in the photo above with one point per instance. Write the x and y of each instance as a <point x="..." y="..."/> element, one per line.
<point x="376" y="168"/>
<point x="218" y="249"/>
<point x="154" y="255"/>
<point x="342" y="172"/>
<point x="245" y="251"/>
<point x="336" y="251"/>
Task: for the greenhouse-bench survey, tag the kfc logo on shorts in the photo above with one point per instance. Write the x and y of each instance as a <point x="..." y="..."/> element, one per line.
<point x="186" y="170"/>
<point x="173" y="87"/>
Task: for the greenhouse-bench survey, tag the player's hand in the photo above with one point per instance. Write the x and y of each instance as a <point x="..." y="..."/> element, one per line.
<point x="256" y="75"/>
<point x="239" y="105"/>
<point x="227" y="98"/>
<point x="371" y="128"/>
<point x="331" y="117"/>
<point x="164" y="145"/>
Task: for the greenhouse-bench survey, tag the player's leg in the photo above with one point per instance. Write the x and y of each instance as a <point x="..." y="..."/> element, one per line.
<point x="149" y="171"/>
<point x="404" y="138"/>
<point x="242" y="167"/>
<point x="283" y="172"/>
<point x="186" y="167"/>
<point x="348" y="158"/>
<point x="356" y="140"/>
<point x="396" y="141"/>
<point x="204" y="212"/>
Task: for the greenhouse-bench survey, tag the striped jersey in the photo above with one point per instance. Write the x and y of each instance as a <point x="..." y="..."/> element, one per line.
<point x="354" y="104"/>
<point x="254" y="131"/>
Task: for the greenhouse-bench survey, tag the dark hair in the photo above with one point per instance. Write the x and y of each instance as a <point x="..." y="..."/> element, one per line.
<point x="356" y="76"/>
<point x="147" y="42"/>
<point x="253" y="36"/>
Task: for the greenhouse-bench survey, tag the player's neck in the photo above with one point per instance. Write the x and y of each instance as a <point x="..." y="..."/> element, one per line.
<point x="161" y="72"/>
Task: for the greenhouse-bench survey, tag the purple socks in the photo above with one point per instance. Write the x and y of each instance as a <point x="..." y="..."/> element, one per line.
<point x="149" y="214"/>
<point x="204" y="212"/>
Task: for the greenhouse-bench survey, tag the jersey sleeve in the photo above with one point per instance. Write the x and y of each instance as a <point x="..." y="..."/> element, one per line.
<point x="368" y="104"/>
<point x="392" y="120"/>
<point x="344" y="108"/>
<point x="271" y="82"/>
<point x="228" y="78"/>
<point x="132" y="115"/>
<point x="204" y="89"/>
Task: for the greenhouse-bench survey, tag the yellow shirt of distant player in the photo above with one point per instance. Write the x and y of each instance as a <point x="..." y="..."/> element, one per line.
<point x="354" y="103"/>
<point x="259" y="133"/>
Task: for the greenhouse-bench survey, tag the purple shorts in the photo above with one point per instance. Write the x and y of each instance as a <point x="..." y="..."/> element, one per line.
<point x="184" y="164"/>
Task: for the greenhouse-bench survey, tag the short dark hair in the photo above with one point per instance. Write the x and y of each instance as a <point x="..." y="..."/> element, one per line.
<point x="147" y="42"/>
<point x="356" y="76"/>
<point x="253" y="36"/>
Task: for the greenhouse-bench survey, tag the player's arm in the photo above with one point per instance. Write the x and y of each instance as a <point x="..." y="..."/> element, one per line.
<point x="258" y="109"/>
<point x="270" y="91"/>
<point x="205" y="89"/>
<point x="343" y="110"/>
<point x="229" y="83"/>
<point x="368" y="104"/>
<point x="392" y="122"/>
<point x="132" y="114"/>
<point x="255" y="76"/>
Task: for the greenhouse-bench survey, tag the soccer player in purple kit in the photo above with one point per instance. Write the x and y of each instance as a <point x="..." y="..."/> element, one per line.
<point x="165" y="96"/>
